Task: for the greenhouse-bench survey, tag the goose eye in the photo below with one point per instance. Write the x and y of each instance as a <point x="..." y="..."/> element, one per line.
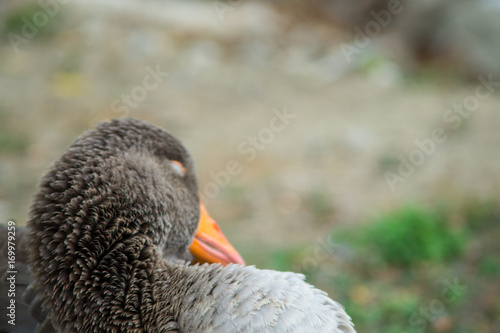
<point x="178" y="167"/>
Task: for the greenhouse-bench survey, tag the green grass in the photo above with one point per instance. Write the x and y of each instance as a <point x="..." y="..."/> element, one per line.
<point x="33" y="20"/>
<point x="404" y="258"/>
<point x="411" y="235"/>
<point x="388" y="271"/>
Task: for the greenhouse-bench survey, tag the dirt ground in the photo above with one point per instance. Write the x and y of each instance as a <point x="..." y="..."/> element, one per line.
<point x="314" y="137"/>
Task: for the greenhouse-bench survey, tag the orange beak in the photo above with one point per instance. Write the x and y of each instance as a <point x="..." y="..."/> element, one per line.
<point x="210" y="245"/>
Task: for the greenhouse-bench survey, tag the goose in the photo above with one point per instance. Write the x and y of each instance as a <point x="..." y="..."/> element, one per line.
<point x="110" y="240"/>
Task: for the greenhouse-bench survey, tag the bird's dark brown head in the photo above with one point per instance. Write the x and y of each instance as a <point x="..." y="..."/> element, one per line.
<point x="122" y="178"/>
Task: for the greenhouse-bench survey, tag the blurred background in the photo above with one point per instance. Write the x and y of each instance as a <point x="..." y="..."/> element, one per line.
<point x="353" y="141"/>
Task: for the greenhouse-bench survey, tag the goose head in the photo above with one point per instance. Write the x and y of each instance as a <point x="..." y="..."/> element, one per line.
<point x="123" y="178"/>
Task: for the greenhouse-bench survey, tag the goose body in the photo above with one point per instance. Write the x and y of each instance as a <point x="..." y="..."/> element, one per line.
<point x="246" y="299"/>
<point x="107" y="245"/>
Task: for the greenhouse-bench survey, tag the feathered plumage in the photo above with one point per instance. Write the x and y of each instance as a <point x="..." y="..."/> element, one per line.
<point x="107" y="247"/>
